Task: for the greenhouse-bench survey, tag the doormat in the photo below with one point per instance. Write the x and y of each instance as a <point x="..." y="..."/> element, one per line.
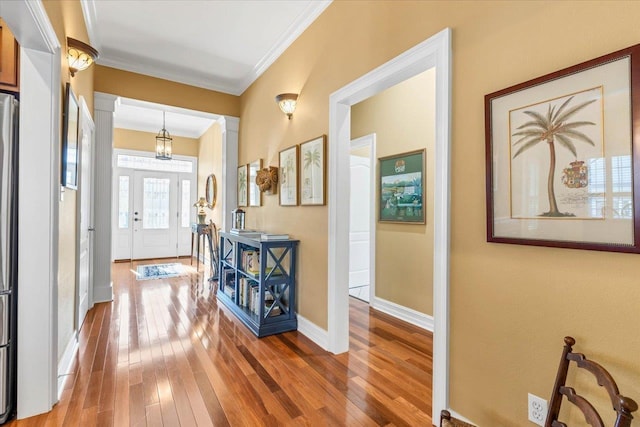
<point x="160" y="271"/>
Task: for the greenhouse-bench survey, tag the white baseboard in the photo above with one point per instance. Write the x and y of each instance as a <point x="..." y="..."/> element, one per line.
<point x="66" y="362"/>
<point x="409" y="315"/>
<point x="460" y="417"/>
<point x="103" y="293"/>
<point x="314" y="332"/>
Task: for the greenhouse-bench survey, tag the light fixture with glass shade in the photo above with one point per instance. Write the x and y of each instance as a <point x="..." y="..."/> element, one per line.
<point x="80" y="55"/>
<point x="287" y="103"/>
<point x="163" y="142"/>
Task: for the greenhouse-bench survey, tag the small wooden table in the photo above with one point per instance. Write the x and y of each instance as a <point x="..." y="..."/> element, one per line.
<point x="197" y="230"/>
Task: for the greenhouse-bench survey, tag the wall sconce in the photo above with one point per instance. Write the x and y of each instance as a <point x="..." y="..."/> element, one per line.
<point x="287" y="103"/>
<point x="80" y="55"/>
<point x="163" y="143"/>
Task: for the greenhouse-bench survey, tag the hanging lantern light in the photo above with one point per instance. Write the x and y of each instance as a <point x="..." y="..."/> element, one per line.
<point x="163" y="142"/>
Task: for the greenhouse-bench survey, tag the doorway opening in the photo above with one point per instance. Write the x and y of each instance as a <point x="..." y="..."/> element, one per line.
<point x="432" y="53"/>
<point x="153" y="205"/>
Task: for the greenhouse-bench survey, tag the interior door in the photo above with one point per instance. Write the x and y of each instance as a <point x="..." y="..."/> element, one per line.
<point x="85" y="228"/>
<point x="155" y="215"/>
<point x="359" y="228"/>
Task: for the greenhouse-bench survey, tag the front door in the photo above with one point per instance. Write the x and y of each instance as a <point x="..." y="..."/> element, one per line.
<point x="155" y="215"/>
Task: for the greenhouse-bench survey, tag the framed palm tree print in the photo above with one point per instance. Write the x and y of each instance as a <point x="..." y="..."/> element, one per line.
<point x="255" y="196"/>
<point x="243" y="188"/>
<point x="288" y="180"/>
<point x="313" y="171"/>
<point x="560" y="157"/>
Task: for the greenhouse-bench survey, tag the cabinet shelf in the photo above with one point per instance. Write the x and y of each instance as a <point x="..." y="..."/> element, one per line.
<point x="264" y="301"/>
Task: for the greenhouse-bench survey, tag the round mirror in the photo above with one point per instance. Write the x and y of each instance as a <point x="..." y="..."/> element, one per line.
<point x="210" y="191"/>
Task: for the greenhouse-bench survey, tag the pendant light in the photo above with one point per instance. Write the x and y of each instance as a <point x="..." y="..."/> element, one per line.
<point x="163" y="142"/>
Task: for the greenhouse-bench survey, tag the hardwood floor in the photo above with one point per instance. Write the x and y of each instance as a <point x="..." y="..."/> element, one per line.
<point x="165" y="353"/>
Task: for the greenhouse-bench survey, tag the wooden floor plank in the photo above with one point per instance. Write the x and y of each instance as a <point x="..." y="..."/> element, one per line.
<point x="164" y="353"/>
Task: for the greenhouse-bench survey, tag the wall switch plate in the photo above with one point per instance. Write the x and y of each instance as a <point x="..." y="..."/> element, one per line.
<point x="538" y="408"/>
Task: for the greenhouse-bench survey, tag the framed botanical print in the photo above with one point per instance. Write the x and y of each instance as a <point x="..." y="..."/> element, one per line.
<point x="243" y="189"/>
<point x="313" y="171"/>
<point x="255" y="195"/>
<point x="560" y="157"/>
<point x="288" y="180"/>
<point x="401" y="188"/>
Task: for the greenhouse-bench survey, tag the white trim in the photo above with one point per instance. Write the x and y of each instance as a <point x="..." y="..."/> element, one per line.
<point x="406" y="314"/>
<point x="434" y="52"/>
<point x="312" y="331"/>
<point x="39" y="179"/>
<point x="370" y="141"/>
<point x="229" y="126"/>
<point x="310" y="14"/>
<point x="460" y="417"/>
<point x="90" y="19"/>
<point x="66" y="362"/>
<point x="104" y="106"/>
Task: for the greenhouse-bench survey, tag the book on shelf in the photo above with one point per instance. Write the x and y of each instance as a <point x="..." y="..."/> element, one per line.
<point x="245" y="233"/>
<point x="271" y="236"/>
<point x="250" y="263"/>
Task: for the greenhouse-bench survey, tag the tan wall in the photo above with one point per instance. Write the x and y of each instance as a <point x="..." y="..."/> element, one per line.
<point x="210" y="162"/>
<point x="510" y="305"/>
<point x="145" y="141"/>
<point x="68" y="21"/>
<point x="145" y="88"/>
<point x="402" y="117"/>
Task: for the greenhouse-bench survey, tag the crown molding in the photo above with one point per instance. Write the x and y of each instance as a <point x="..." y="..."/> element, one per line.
<point x="305" y="19"/>
<point x="178" y="76"/>
<point x="114" y="59"/>
<point x="90" y="19"/>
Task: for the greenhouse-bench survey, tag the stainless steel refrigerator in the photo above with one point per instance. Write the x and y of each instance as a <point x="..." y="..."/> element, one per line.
<point x="8" y="253"/>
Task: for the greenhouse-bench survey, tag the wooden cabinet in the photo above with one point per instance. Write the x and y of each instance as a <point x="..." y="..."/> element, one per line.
<point x="257" y="282"/>
<point x="9" y="59"/>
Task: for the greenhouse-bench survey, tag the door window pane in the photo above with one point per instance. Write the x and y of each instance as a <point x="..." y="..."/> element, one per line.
<point x="185" y="210"/>
<point x="123" y="202"/>
<point x="155" y="203"/>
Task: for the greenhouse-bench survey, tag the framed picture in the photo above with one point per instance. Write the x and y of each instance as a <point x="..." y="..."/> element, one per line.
<point x="255" y="195"/>
<point x="560" y="157"/>
<point x="70" y="151"/>
<point x="313" y="171"/>
<point x="243" y="189"/>
<point x="400" y="190"/>
<point x="288" y="180"/>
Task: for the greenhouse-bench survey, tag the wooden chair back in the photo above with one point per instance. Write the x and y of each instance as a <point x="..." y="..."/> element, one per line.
<point x="211" y="231"/>
<point x="623" y="406"/>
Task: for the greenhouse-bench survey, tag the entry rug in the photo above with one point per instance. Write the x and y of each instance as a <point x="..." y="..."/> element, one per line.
<point x="160" y="271"/>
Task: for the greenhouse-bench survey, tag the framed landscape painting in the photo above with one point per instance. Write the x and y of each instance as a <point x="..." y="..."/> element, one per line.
<point x="288" y="180"/>
<point x="560" y="157"/>
<point x="243" y="189"/>
<point x="313" y="171"/>
<point x="401" y="188"/>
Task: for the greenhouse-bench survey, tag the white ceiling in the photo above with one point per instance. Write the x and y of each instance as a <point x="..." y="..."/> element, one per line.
<point x="222" y="45"/>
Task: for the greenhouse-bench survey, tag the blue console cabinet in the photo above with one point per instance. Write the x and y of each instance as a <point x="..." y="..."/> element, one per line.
<point x="257" y="282"/>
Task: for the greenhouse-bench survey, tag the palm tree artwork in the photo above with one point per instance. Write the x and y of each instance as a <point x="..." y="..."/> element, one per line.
<point x="242" y="185"/>
<point x="553" y="128"/>
<point x="311" y="160"/>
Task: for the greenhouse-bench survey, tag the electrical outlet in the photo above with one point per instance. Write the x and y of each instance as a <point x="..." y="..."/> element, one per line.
<point x="538" y="408"/>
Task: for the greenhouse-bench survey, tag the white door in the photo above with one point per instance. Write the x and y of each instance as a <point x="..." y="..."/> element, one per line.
<point x="85" y="228"/>
<point x="359" y="243"/>
<point x="155" y="215"/>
